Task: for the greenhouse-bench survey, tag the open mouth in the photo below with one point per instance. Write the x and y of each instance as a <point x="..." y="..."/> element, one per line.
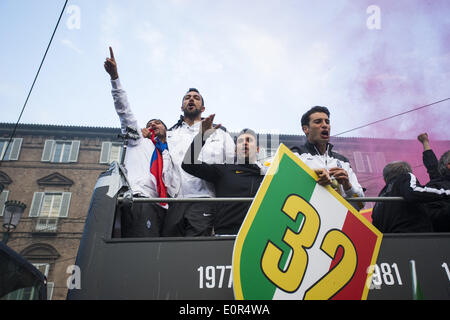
<point x="325" y="134"/>
<point x="244" y="150"/>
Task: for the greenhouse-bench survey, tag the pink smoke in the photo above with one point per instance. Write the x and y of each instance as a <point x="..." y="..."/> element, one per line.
<point x="407" y="65"/>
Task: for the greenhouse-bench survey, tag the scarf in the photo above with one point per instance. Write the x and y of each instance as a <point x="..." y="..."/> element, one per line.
<point x="156" y="166"/>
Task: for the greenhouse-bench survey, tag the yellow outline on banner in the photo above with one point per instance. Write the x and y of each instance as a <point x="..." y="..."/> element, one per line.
<point x="282" y="151"/>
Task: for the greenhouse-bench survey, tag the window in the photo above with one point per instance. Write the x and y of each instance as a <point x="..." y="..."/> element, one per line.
<point x="51" y="203"/>
<point x="28" y="293"/>
<point x="3" y="199"/>
<point x="49" y="207"/>
<point x="44" y="268"/>
<point x="362" y="162"/>
<point x="12" y="153"/>
<point x="111" y="151"/>
<point x="369" y="162"/>
<point x="61" y="151"/>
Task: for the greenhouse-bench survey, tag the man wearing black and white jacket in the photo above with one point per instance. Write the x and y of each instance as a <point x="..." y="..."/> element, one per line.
<point x="146" y="219"/>
<point x="439" y="173"/>
<point x="240" y="178"/>
<point x="331" y="167"/>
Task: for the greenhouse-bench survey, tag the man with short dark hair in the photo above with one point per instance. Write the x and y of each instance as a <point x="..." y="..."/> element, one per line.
<point x="409" y="215"/>
<point x="240" y="178"/>
<point x="194" y="218"/>
<point x="331" y="167"/>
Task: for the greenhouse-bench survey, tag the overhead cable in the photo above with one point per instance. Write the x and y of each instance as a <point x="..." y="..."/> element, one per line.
<point x="388" y="118"/>
<point x="34" y="81"/>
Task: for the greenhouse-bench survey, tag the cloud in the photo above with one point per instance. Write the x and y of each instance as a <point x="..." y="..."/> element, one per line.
<point x="110" y="26"/>
<point x="9" y="90"/>
<point x="264" y="51"/>
<point x="155" y="42"/>
<point x="194" y="57"/>
<point x="71" y="45"/>
<point x="283" y="57"/>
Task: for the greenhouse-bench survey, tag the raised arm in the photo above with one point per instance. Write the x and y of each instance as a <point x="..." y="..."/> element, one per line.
<point x="428" y="157"/>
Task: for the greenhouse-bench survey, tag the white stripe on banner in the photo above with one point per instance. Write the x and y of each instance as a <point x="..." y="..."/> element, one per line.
<point x="319" y="262"/>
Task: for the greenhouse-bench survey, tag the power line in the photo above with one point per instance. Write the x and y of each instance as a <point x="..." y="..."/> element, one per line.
<point x="34" y="81"/>
<point x="396" y="115"/>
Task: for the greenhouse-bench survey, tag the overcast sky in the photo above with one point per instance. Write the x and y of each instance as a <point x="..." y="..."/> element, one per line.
<point x="258" y="63"/>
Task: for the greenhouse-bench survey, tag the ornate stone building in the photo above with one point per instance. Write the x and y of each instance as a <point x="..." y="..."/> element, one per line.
<point x="53" y="170"/>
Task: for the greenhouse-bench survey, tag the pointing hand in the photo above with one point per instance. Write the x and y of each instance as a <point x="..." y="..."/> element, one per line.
<point x="111" y="65"/>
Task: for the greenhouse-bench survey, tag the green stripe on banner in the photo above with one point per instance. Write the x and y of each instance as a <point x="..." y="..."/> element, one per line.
<point x="271" y="222"/>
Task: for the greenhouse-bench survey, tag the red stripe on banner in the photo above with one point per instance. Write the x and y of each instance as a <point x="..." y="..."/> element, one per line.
<point x="364" y="241"/>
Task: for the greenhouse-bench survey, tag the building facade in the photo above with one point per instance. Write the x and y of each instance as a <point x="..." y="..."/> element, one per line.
<point x="53" y="170"/>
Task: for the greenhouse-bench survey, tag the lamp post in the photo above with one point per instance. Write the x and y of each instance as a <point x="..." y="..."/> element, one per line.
<point x="12" y="214"/>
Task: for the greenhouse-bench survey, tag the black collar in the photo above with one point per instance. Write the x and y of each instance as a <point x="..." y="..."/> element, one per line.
<point x="314" y="150"/>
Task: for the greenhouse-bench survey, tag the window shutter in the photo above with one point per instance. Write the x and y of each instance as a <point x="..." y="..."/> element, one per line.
<point x="50" y="286"/>
<point x="106" y="148"/>
<point x="65" y="203"/>
<point x="15" y="150"/>
<point x="74" y="151"/>
<point x="3" y="199"/>
<point x="121" y="154"/>
<point x="48" y="148"/>
<point x="6" y="155"/>
<point x="36" y="204"/>
<point x="380" y="161"/>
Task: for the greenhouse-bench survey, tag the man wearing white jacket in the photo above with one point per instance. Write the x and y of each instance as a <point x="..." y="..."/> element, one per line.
<point x="194" y="219"/>
<point x="146" y="219"/>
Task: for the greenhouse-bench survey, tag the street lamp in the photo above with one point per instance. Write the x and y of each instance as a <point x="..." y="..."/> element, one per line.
<point x="12" y="214"/>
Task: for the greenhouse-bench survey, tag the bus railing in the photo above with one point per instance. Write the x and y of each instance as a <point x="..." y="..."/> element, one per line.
<point x="171" y="200"/>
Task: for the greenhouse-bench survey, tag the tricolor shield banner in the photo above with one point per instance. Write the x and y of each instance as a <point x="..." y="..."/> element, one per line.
<point x="300" y="240"/>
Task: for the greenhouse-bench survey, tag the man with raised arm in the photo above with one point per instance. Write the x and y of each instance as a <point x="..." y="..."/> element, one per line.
<point x="149" y="167"/>
<point x="439" y="173"/>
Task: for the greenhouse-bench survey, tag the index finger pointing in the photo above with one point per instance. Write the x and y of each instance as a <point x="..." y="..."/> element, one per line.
<point x="111" y="53"/>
